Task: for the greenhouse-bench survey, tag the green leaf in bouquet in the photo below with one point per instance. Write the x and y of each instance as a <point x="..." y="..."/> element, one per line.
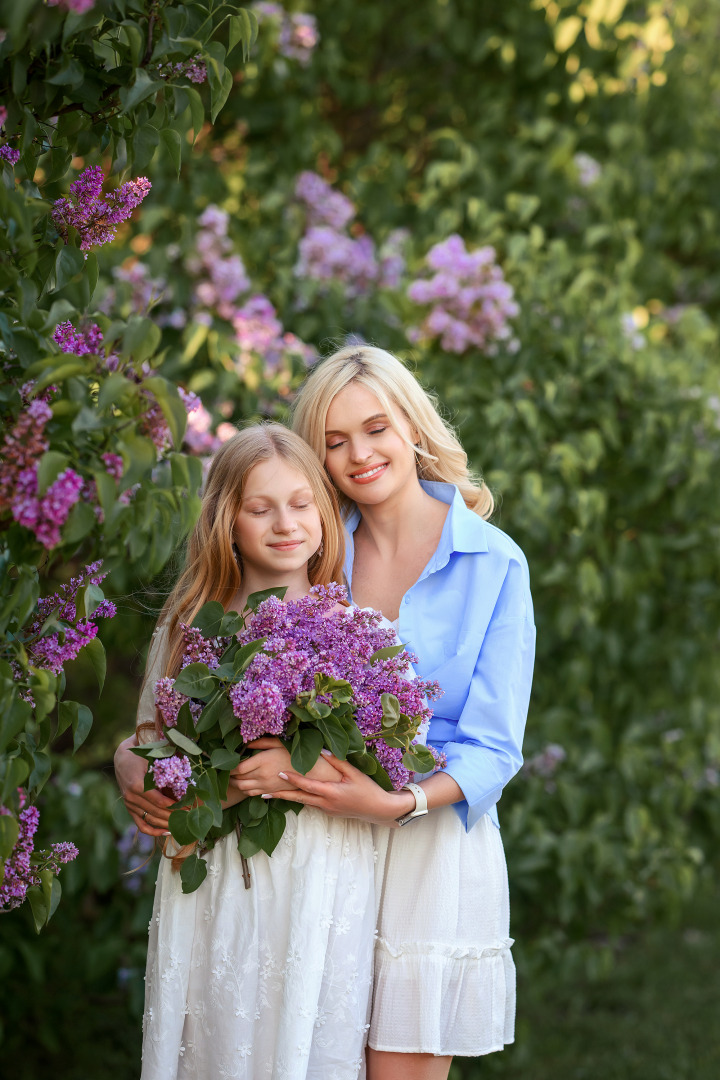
<point x="231" y="624"/>
<point x="192" y="873"/>
<point x="301" y="713"/>
<point x="286" y="806"/>
<point x="161" y="750"/>
<point x="245" y="654"/>
<point x="257" y="807"/>
<point x="216" y="711"/>
<point x="187" y="826"/>
<point x="206" y="788"/>
<point x="335" y="736"/>
<point x="226" y="672"/>
<point x="224" y="759"/>
<point x="387" y="653"/>
<point x="356" y="743"/>
<point x="195" y="681"/>
<point x="391" y="710"/>
<point x="248" y="845"/>
<point x="183" y="742"/>
<point x="246" y="817"/>
<point x="255" y="599"/>
<point x="339" y="688"/>
<point x="209" y="619"/>
<point x="184" y="722"/>
<point x="418" y="759"/>
<point x="306" y="746"/>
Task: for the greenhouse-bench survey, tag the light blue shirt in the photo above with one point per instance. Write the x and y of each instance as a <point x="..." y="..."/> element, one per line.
<point x="469" y="619"/>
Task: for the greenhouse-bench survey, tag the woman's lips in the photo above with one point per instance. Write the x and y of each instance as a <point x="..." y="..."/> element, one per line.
<point x="366" y="476"/>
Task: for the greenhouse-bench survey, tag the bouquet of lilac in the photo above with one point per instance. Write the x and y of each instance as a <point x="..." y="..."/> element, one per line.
<point x="309" y="672"/>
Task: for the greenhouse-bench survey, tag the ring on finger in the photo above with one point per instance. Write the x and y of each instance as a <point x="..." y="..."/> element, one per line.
<point x="145" y="814"/>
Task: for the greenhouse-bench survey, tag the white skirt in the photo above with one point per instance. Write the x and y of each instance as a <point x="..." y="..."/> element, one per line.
<point x="269" y="983"/>
<point x="444" y="976"/>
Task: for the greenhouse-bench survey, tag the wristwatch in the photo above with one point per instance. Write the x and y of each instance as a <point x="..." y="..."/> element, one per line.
<point x="421" y="807"/>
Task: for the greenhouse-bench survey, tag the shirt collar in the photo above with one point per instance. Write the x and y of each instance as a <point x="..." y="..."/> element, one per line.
<point x="463" y="531"/>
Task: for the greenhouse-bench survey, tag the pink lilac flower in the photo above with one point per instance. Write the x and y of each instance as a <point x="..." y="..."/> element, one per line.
<point x="168" y="701"/>
<point x="78" y="342"/>
<point x="199" y="649"/>
<point x="470" y="301"/>
<point x="298" y="37"/>
<point x="75" y="7"/>
<point x="44" y="514"/>
<point x="3" y="116"/>
<point x="94" y="216"/>
<point x="173" y="775"/>
<point x="324" y="205"/>
<point x="114" y="465"/>
<point x="19" y="873"/>
<point x="144" y="291"/>
<point x="9" y="154"/>
<point x="199" y="438"/>
<point x="193" y="69"/>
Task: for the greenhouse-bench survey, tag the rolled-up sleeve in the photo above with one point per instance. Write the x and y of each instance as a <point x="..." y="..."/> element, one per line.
<point x="486" y="751"/>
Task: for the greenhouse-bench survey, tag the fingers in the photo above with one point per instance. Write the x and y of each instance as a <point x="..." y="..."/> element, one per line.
<point x="266" y="742"/>
<point x="314" y="787"/>
<point x="293" y="795"/>
<point x="145" y="825"/>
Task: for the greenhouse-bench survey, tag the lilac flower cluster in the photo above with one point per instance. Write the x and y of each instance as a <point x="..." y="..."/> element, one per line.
<point x="78" y="342"/>
<point x="22" y="449"/>
<point x="314" y="635"/>
<point x="54" y="650"/>
<point x="323" y="205"/>
<point x="172" y="775"/>
<point x="193" y="69"/>
<point x="75" y="7"/>
<point x="546" y="762"/>
<point x="470" y="300"/>
<point x="22" y="867"/>
<point x="9" y="154"/>
<point x="154" y="425"/>
<point x="114" y="465"/>
<point x="145" y="291"/>
<point x="298" y="33"/>
<point x="94" y="216"/>
<point x="392" y="258"/>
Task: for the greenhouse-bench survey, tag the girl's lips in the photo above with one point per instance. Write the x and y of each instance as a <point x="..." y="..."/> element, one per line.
<point x="368" y="475"/>
<point x="286" y="545"/>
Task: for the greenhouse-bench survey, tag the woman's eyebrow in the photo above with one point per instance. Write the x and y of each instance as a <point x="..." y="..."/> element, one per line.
<point x="369" y="420"/>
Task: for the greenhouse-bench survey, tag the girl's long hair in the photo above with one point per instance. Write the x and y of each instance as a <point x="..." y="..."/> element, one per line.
<point x="438" y="451"/>
<point x="212" y="571"/>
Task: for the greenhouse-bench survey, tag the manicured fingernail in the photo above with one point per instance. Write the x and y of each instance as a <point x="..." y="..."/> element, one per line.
<point x="266" y="796"/>
<point x="166" y="834"/>
<point x="326" y="753"/>
<point x="282" y="775"/>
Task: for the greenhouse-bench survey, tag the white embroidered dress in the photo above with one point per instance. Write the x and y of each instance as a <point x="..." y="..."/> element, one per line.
<point x="266" y="983"/>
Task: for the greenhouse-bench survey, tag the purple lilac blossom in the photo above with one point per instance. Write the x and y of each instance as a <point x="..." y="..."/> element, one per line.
<point x="94" y="216"/>
<point x="9" y="154"/>
<point x="167" y="701"/>
<point x="173" y="775"/>
<point x="470" y="301"/>
<point x="324" y="206"/>
<point x="326" y="255"/>
<point x="114" y="465"/>
<point x="22" y="867"/>
<point x="3" y="116"/>
<point x="78" y="342"/>
<point x="44" y="515"/>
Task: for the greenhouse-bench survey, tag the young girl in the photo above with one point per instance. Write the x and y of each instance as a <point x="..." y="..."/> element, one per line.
<point x="271" y="981"/>
<point x="419" y="550"/>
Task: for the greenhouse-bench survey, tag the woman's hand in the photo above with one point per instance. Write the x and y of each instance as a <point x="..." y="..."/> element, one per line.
<point x="353" y="795"/>
<point x="148" y="809"/>
<point x="259" y="774"/>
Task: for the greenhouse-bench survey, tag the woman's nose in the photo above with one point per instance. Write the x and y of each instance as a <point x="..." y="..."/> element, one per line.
<point x="360" y="451"/>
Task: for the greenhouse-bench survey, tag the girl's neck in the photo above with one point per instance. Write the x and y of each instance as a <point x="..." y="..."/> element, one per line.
<point x="391" y="525"/>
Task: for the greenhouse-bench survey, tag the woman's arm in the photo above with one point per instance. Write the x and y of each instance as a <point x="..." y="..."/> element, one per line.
<point x="358" y="796"/>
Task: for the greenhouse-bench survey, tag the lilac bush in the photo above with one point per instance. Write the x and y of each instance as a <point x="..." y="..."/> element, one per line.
<point x="471" y="304"/>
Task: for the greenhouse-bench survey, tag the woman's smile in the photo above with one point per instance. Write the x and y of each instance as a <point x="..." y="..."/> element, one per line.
<point x="369" y="473"/>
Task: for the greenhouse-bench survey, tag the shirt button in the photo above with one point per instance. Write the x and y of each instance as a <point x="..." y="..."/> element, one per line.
<point x="407" y="599"/>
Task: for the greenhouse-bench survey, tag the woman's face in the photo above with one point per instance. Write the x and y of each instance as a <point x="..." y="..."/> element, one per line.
<point x="278" y="527"/>
<point x="367" y="459"/>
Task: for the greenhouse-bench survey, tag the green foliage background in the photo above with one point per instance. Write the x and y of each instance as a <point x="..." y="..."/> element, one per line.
<point x="445" y="116"/>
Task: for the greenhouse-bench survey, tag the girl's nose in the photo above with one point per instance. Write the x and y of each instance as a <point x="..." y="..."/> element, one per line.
<point x="285" y="522"/>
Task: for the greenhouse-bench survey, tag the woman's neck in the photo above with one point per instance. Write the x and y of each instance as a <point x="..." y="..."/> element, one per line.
<point x="391" y="525"/>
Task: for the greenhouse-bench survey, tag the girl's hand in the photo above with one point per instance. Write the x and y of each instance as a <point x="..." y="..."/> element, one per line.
<point x="353" y="795"/>
<point x="259" y="774"/>
<point x="148" y="809"/>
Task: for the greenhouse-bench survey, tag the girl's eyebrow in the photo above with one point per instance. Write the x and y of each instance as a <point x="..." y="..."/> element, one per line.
<point x="375" y="416"/>
<point x="306" y="490"/>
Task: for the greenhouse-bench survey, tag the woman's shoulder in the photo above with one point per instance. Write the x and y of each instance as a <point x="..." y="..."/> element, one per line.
<point x="489" y="539"/>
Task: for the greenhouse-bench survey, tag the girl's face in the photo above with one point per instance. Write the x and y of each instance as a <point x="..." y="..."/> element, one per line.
<point x="278" y="527"/>
<point x="367" y="459"/>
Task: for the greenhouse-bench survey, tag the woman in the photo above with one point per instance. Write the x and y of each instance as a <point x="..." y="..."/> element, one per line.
<point x="419" y="550"/>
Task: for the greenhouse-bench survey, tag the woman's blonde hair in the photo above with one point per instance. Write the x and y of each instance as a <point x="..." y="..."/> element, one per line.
<point x="438" y="451"/>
